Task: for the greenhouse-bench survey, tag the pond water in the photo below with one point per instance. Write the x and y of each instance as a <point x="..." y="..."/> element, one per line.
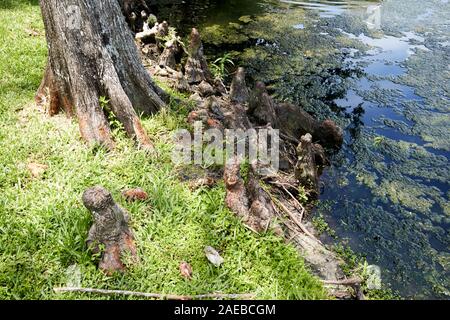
<point x="381" y="70"/>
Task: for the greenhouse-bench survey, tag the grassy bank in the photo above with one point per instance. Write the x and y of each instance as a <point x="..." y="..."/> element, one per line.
<point x="43" y="224"/>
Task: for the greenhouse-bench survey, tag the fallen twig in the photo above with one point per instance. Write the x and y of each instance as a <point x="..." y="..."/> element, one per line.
<point x="297" y="222"/>
<point x="294" y="218"/>
<point x="156" y="295"/>
<point x="251" y="229"/>
<point x="299" y="205"/>
<point x="345" y="282"/>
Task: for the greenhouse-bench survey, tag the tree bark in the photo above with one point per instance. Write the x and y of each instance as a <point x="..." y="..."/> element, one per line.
<point x="92" y="54"/>
<point x="110" y="230"/>
<point x="239" y="92"/>
<point x="196" y="68"/>
<point x="290" y="119"/>
<point x="306" y="169"/>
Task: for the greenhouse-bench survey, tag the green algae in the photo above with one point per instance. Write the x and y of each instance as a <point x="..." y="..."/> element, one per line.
<point x="289" y="59"/>
<point x="218" y="35"/>
<point x="401" y="192"/>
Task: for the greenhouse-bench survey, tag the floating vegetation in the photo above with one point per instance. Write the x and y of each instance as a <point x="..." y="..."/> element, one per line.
<point x="397" y="202"/>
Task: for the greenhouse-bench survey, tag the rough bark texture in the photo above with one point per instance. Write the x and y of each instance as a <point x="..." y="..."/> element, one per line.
<point x="248" y="200"/>
<point x="239" y="91"/>
<point x="92" y="54"/>
<point x="168" y="56"/>
<point x="306" y="168"/>
<point x="196" y="68"/>
<point x="110" y="229"/>
<point x="290" y="119"/>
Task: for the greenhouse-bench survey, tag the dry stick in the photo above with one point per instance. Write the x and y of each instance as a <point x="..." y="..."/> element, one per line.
<point x="299" y="205"/>
<point x="294" y="218"/>
<point x="251" y="229"/>
<point x="155" y="295"/>
<point x="278" y="183"/>
<point x="345" y="282"/>
<point x="302" y="227"/>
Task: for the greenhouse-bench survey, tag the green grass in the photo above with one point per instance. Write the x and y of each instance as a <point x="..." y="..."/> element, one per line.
<point x="43" y="224"/>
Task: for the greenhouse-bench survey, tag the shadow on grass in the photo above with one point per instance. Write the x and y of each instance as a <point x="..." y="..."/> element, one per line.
<point x="14" y="4"/>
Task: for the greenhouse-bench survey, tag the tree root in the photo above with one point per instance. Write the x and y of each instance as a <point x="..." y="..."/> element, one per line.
<point x="159" y="296"/>
<point x="110" y="230"/>
<point x="247" y="199"/>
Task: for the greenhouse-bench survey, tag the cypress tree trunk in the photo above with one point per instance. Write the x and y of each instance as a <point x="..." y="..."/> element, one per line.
<point x="92" y="53"/>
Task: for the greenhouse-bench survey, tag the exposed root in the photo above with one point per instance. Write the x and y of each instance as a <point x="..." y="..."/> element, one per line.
<point x="294" y="218"/>
<point x="94" y="127"/>
<point x="123" y="110"/>
<point x="196" y="69"/>
<point x="239" y="92"/>
<point x="110" y="229"/>
<point x="248" y="199"/>
<point x="306" y="169"/>
<point x="49" y="96"/>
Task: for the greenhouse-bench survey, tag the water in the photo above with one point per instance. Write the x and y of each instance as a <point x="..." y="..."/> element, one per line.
<point x="329" y="9"/>
<point x="381" y="70"/>
<point x="385" y="198"/>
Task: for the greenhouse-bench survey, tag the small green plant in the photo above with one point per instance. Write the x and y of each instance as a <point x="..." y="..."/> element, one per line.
<point x="104" y="102"/>
<point x="115" y="125"/>
<point x="245" y="170"/>
<point x="322" y="226"/>
<point x="302" y="194"/>
<point x="152" y="20"/>
<point x="377" y="141"/>
<point x="171" y="36"/>
<point x="351" y="259"/>
<point x="219" y="67"/>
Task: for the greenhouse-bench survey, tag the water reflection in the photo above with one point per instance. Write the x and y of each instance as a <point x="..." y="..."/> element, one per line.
<point x="327" y="9"/>
<point x="185" y="15"/>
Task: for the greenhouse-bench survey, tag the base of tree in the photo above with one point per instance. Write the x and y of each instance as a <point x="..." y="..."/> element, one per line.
<point x="92" y="54"/>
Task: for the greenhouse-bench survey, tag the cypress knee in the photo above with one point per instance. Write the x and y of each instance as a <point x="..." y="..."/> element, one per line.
<point x="110" y="230"/>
